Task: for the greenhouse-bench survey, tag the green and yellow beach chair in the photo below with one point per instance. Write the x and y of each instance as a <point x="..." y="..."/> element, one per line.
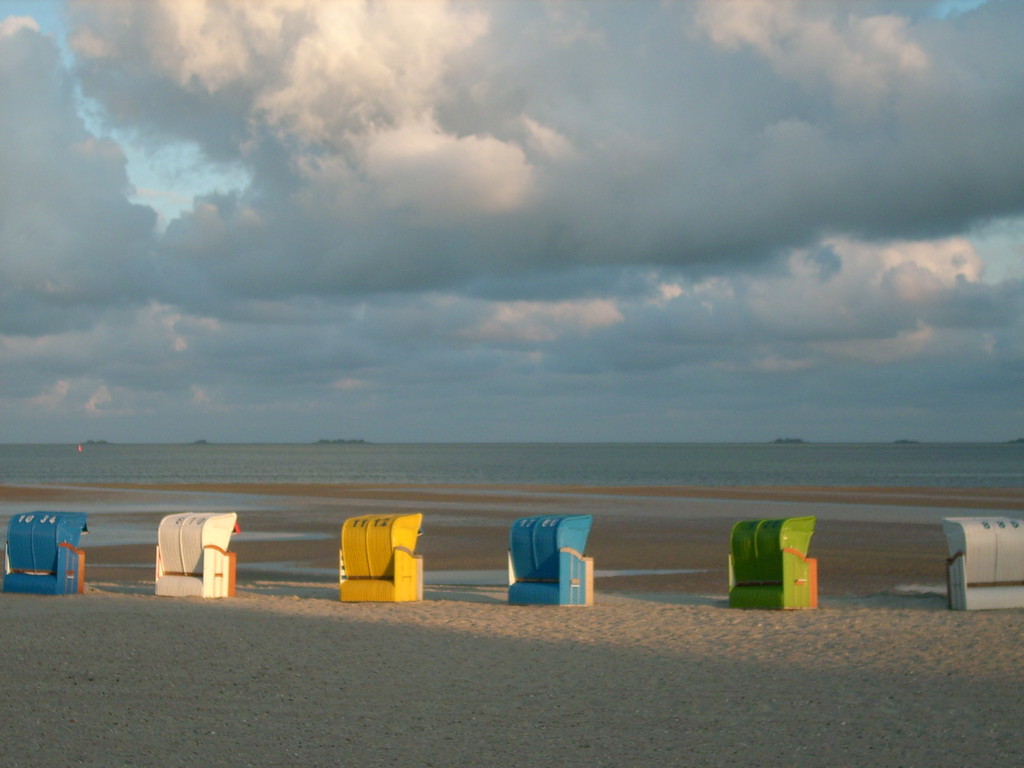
<point x="377" y="560"/>
<point x="769" y="567"/>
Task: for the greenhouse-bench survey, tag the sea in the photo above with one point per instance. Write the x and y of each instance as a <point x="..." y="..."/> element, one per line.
<point x="965" y="465"/>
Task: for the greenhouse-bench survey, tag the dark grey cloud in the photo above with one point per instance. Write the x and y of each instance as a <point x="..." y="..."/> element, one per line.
<point x="72" y="243"/>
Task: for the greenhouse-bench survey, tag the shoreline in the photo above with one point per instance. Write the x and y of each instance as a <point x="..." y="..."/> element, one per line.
<point x="1006" y="498"/>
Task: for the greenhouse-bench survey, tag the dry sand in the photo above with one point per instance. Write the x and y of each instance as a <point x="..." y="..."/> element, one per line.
<point x="658" y="673"/>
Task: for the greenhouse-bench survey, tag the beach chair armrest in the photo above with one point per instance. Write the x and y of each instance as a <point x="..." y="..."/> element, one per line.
<point x="576" y="577"/>
<point x="800" y="574"/>
<point x="956" y="581"/>
<point x="571" y="553"/>
<point x="406" y="563"/>
<point x="219" y="568"/>
<point x="796" y="553"/>
<point x="408" y="573"/>
<point x="67" y="555"/>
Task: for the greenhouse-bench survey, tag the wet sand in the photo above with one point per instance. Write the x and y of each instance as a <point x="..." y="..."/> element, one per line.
<point x="867" y="541"/>
<point x="658" y="673"/>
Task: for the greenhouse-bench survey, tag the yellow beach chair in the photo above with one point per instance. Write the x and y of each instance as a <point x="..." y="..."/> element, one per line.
<point x="377" y="560"/>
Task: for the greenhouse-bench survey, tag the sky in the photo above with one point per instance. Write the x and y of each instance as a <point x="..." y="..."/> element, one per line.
<point x="725" y="221"/>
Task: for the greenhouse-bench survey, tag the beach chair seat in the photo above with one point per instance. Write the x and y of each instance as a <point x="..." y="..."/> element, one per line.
<point x="546" y="565"/>
<point x="42" y="555"/>
<point x="192" y="558"/>
<point x="768" y="564"/>
<point x="985" y="569"/>
<point x="377" y="560"/>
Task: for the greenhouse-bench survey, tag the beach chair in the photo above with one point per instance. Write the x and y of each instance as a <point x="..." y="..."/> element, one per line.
<point x="769" y="567"/>
<point x="377" y="560"/>
<point x="546" y="565"/>
<point x="42" y="555"/>
<point x="192" y="558"/>
<point x="985" y="568"/>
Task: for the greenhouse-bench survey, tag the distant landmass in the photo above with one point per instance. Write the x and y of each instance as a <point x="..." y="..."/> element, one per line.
<point x="788" y="441"/>
<point x="318" y="442"/>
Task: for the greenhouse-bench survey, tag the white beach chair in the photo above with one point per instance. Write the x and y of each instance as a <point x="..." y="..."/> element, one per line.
<point x="985" y="568"/>
<point x="191" y="555"/>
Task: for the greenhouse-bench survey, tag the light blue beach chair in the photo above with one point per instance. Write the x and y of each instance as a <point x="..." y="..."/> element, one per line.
<point x="546" y="565"/>
<point x="42" y="555"/>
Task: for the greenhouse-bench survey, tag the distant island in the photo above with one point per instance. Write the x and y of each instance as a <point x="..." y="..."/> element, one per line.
<point x="905" y="442"/>
<point x="340" y="442"/>
<point x="788" y="441"/>
<point x="1018" y="440"/>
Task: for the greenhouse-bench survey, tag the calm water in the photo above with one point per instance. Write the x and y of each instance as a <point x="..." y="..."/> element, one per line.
<point x="967" y="465"/>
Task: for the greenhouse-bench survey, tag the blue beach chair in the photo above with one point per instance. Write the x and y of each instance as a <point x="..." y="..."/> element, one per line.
<point x="546" y="565"/>
<point x="42" y="555"/>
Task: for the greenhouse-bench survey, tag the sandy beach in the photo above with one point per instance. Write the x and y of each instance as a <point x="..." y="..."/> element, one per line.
<point x="658" y="673"/>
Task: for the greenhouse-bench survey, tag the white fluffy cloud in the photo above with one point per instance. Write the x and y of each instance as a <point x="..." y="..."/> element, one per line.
<point x="361" y="67"/>
<point x="861" y="59"/>
<point x="441" y="175"/>
<point x="538" y="322"/>
<point x="12" y="24"/>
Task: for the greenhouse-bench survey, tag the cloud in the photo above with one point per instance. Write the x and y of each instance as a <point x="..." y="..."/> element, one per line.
<point x="71" y="240"/>
<point x="52" y="398"/>
<point x="100" y="398"/>
<point x="531" y="321"/>
<point x="443" y="176"/>
<point x="494" y="220"/>
<point x="363" y="67"/>
<point x="379" y="119"/>
<point x="862" y="60"/>
<point x="870" y="290"/>
<point x="12" y="24"/>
